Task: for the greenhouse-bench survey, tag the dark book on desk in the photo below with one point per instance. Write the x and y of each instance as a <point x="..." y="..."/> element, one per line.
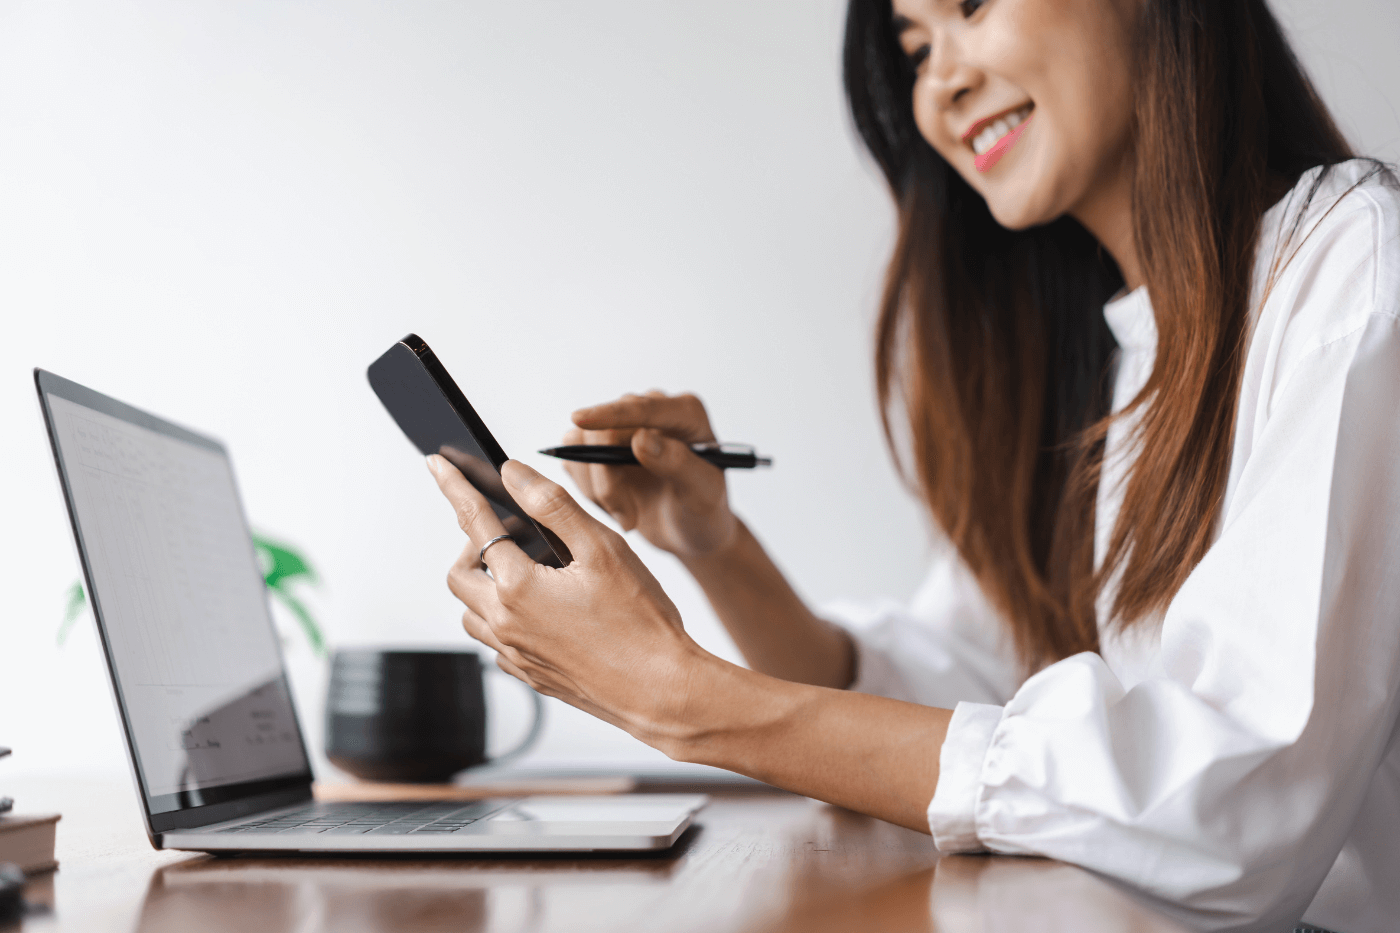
<point x="28" y="841"/>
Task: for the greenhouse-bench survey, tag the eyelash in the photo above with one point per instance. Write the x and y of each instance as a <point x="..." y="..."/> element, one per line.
<point x="969" y="7"/>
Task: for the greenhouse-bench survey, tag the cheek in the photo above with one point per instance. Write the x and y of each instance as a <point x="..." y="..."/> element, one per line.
<point x="1090" y="133"/>
<point x="931" y="128"/>
<point x="1090" y="77"/>
<point x="1104" y="122"/>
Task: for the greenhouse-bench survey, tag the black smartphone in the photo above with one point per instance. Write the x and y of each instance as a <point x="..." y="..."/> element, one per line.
<point x="416" y="389"/>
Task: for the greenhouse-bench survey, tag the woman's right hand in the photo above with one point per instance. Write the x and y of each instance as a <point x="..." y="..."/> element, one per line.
<point x="675" y="499"/>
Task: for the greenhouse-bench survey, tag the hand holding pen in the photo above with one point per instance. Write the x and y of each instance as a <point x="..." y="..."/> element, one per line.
<point x="724" y="456"/>
<point x="678" y="499"/>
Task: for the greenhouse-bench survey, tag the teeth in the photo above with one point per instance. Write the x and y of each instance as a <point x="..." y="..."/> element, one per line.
<point x="994" y="131"/>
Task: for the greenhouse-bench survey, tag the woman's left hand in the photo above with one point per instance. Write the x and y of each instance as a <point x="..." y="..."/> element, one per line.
<point x="599" y="634"/>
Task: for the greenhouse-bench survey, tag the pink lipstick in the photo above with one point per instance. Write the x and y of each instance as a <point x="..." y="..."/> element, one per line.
<point x="992" y="156"/>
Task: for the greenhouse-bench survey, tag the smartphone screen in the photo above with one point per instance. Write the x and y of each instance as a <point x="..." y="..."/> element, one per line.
<point x="437" y="418"/>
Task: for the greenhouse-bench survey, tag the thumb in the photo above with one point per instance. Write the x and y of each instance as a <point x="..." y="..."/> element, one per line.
<point x="551" y="505"/>
<point x="673" y="460"/>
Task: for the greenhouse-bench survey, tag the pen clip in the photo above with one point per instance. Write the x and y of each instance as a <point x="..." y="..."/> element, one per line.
<point x="738" y="449"/>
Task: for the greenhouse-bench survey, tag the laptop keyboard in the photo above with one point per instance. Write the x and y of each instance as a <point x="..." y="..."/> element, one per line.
<point x="376" y="819"/>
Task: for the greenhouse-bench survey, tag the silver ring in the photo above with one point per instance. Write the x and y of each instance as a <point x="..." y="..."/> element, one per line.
<point x="481" y="555"/>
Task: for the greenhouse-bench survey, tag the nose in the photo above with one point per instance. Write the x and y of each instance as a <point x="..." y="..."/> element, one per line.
<point x="952" y="76"/>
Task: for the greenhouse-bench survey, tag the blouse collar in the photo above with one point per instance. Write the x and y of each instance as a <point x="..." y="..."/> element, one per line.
<point x="1131" y="320"/>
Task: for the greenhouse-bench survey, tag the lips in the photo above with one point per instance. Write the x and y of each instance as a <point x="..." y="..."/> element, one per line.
<point x="985" y="132"/>
<point x="985" y="160"/>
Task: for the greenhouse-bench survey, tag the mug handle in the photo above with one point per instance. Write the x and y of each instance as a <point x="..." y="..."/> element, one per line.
<point x="536" y="727"/>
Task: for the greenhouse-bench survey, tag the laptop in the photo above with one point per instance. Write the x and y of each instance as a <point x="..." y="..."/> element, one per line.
<point x="216" y="750"/>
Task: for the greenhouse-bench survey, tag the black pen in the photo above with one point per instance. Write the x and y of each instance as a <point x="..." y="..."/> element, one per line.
<point x="724" y="456"/>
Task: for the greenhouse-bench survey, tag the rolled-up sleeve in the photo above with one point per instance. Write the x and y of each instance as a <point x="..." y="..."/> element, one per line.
<point x="952" y="816"/>
<point x="1227" y="782"/>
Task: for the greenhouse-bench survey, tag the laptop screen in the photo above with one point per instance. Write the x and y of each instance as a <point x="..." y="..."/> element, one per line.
<point x="180" y="603"/>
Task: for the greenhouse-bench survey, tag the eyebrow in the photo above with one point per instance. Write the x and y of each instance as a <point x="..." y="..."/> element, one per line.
<point x="900" y="24"/>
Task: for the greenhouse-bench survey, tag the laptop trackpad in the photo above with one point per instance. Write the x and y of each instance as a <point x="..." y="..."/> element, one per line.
<point x="550" y="815"/>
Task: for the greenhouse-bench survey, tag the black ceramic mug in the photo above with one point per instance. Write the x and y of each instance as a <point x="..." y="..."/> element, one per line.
<point x="411" y="715"/>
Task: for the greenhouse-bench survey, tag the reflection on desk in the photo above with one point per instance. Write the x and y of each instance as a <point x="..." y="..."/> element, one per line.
<point x="980" y="893"/>
<point x="381" y="895"/>
<point x="757" y="863"/>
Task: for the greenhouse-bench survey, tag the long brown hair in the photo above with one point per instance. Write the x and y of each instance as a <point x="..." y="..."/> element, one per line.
<point x="991" y="343"/>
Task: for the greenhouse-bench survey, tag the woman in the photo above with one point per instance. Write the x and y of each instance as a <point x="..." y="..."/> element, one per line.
<point x="1143" y="325"/>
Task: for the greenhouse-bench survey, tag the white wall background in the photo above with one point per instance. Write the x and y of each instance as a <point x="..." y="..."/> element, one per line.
<point x="222" y="211"/>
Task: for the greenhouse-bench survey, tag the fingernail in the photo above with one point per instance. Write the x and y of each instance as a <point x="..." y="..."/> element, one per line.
<point x="432" y="464"/>
<point x="653" y="443"/>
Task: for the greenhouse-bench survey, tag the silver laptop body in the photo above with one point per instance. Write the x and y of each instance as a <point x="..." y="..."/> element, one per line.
<point x="196" y="670"/>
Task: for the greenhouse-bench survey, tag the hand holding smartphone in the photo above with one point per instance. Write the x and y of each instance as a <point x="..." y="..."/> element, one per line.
<point x="437" y="418"/>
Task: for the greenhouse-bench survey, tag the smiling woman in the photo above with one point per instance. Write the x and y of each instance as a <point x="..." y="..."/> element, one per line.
<point x="1141" y="338"/>
<point x="1181" y="153"/>
<point x="983" y="69"/>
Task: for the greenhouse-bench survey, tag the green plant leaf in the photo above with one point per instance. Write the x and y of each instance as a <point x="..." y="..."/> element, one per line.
<point x="77" y="602"/>
<point x="308" y="624"/>
<point x="283" y="565"/>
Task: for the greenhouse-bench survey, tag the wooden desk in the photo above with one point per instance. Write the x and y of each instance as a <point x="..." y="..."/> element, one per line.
<point x="760" y="863"/>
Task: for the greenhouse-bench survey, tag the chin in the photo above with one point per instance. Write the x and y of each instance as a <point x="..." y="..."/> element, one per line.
<point x="1018" y="212"/>
<point x="1026" y="190"/>
<point x="1028" y="198"/>
<point x="1013" y="216"/>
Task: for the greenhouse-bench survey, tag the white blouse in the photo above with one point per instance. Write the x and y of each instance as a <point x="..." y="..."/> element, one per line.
<point x="1238" y="761"/>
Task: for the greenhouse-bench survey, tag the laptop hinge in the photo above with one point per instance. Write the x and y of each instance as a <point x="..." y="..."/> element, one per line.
<point x="195" y="817"/>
